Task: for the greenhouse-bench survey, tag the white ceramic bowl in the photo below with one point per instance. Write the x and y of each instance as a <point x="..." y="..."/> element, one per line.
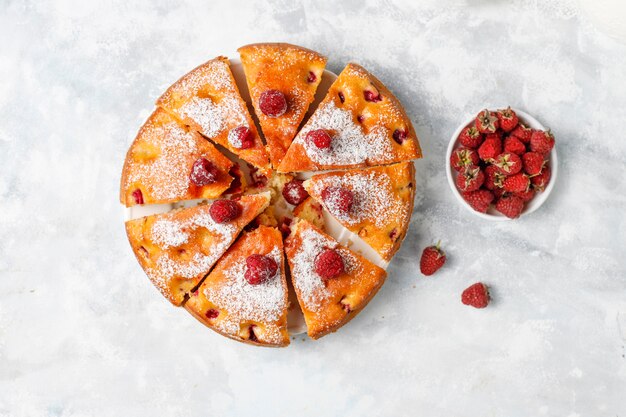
<point x="492" y="214"/>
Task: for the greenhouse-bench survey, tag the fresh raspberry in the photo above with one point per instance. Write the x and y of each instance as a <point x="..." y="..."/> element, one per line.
<point x="516" y="183"/>
<point x="338" y="199"/>
<point x="542" y="142"/>
<point x="510" y="205"/>
<point x="493" y="178"/>
<point x="212" y="313"/>
<point x="259" y="268"/>
<point x="137" y="196"/>
<point x="203" y="172"/>
<point x="508" y="119"/>
<point x="399" y="136"/>
<point x="328" y="264"/>
<point x="490" y="148"/>
<point x="540" y="182"/>
<point x="342" y="98"/>
<point x="373" y="96"/>
<point x="476" y="295"/>
<point x="533" y="163"/>
<point x="487" y="122"/>
<point x="241" y="138"/>
<point x="463" y="158"/>
<point x="294" y="193"/>
<point x="311" y="77"/>
<point x="479" y="199"/>
<point x="432" y="259"/>
<point x="527" y="195"/>
<point x="223" y="211"/>
<point x="320" y="138"/>
<point x="470" y="137"/>
<point x="470" y="179"/>
<point x="514" y="145"/>
<point x="523" y="133"/>
<point x="273" y="103"/>
<point x="508" y="163"/>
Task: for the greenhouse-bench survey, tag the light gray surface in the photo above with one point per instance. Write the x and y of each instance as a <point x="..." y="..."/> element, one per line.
<point x="82" y="331"/>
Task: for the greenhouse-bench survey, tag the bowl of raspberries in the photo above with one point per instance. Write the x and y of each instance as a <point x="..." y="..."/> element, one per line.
<point x="501" y="164"/>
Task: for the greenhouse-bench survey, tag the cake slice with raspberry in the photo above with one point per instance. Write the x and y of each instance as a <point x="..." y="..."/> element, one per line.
<point x="282" y="80"/>
<point x="375" y="203"/>
<point x="168" y="163"/>
<point x="208" y="100"/>
<point x="177" y="249"/>
<point x="359" y="123"/>
<point x="245" y="295"/>
<point x="332" y="283"/>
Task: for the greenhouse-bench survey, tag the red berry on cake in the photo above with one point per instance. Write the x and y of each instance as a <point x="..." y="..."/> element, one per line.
<point x="399" y="135"/>
<point x="338" y="199"/>
<point x="273" y="103"/>
<point x="508" y="119"/>
<point x="372" y="95"/>
<point x="476" y="295"/>
<point x="212" y="313"/>
<point x="540" y="182"/>
<point x="259" y="268"/>
<point x="311" y="77"/>
<point x="329" y="264"/>
<point x="138" y="196"/>
<point x="294" y="193"/>
<point x="463" y="158"/>
<point x="487" y="122"/>
<point x="479" y="199"/>
<point x="514" y="145"/>
<point x="516" y="183"/>
<point x="510" y="205"/>
<point x="490" y="148"/>
<point x="533" y="163"/>
<point x="470" y="137"/>
<point x="241" y="138"/>
<point x="508" y="163"/>
<point x="523" y="133"/>
<point x="223" y="211"/>
<point x="493" y="177"/>
<point x="542" y="142"/>
<point x="432" y="259"/>
<point x="320" y="138"/>
<point x="203" y="172"/>
<point x="470" y="179"/>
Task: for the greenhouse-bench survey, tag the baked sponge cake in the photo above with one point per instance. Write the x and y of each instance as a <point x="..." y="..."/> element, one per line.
<point x="375" y="203"/>
<point x="359" y="123"/>
<point x="245" y="295"/>
<point x="208" y="100"/>
<point x="168" y="163"/>
<point x="332" y="283"/>
<point x="282" y="80"/>
<point x="177" y="249"/>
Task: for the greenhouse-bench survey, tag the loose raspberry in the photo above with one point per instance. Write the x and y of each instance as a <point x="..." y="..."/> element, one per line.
<point x="510" y="205"/>
<point x="487" y="122"/>
<point x="223" y="211"/>
<point x="533" y="163"/>
<point x="432" y="259"/>
<point x="320" y="138"/>
<point x="514" y="145"/>
<point x="508" y="119"/>
<point x="476" y="295"/>
<point x="137" y="196"/>
<point x="522" y="132"/>
<point x="203" y="172"/>
<point x="508" y="163"/>
<point x="470" y="137"/>
<point x="294" y="193"/>
<point x="338" y="199"/>
<point x="516" y="183"/>
<point x="329" y="264"/>
<point x="463" y="158"/>
<point x="490" y="148"/>
<point x="312" y="77"/>
<point x="273" y="103"/>
<point x="212" y="313"/>
<point x="372" y="96"/>
<point x="540" y="182"/>
<point x="399" y="136"/>
<point x="259" y="268"/>
<point x="241" y="138"/>
<point x="470" y="179"/>
<point x="479" y="199"/>
<point x="493" y="178"/>
<point x="542" y="142"/>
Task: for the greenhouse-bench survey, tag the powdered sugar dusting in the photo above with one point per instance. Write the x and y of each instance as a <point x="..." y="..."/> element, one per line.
<point x="167" y="233"/>
<point x="212" y="117"/>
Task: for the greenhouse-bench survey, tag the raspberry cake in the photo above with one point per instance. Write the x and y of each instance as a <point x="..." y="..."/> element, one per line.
<point x="359" y="123"/>
<point x="332" y="283"/>
<point x="282" y="80"/>
<point x="177" y="249"/>
<point x="208" y="100"/>
<point x="167" y="163"/>
<point x="245" y="296"/>
<point x="375" y="203"/>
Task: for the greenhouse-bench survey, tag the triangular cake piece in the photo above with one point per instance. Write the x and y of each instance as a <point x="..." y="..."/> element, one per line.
<point x="168" y="163"/>
<point x="208" y="100"/>
<point x="359" y="123"/>
<point x="247" y="308"/>
<point x="328" y="296"/>
<point x="177" y="249"/>
<point x="375" y="203"/>
<point x="282" y="80"/>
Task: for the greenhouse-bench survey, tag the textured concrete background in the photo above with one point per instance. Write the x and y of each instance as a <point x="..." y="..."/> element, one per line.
<point x="82" y="331"/>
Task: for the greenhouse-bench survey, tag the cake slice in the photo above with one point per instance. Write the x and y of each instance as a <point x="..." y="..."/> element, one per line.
<point x="375" y="203"/>
<point x="332" y="283"/>
<point x="177" y="249"/>
<point x="359" y="123"/>
<point x="245" y="296"/>
<point x="168" y="163"/>
<point x="282" y="80"/>
<point x="207" y="99"/>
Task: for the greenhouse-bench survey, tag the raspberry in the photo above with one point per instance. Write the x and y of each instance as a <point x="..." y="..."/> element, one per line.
<point x="320" y="138"/>
<point x="470" y="179"/>
<point x="508" y="163"/>
<point x="203" y="172"/>
<point x="342" y="98"/>
<point x="223" y="211"/>
<point x="508" y="119"/>
<point x="138" y="196"/>
<point x="360" y="119"/>
<point x="516" y="183"/>
<point x="511" y="206"/>
<point x="527" y="195"/>
<point x="493" y="177"/>
<point x="212" y="313"/>
<point x="259" y="268"/>
<point x="338" y="199"/>
<point x="470" y="137"/>
<point x="533" y="163"/>
<point x="294" y="193"/>
<point x="372" y="96"/>
<point x="479" y="199"/>
<point x="241" y="138"/>
<point x="523" y="133"/>
<point x="463" y="158"/>
<point x="487" y="122"/>
<point x="399" y="136"/>
<point x="476" y="295"/>
<point x="273" y="103"/>
<point x="490" y="148"/>
<point x="541" y="142"/>
<point x="514" y="145"/>
<point x="540" y="182"/>
<point x="329" y="264"/>
<point x="312" y="77"/>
